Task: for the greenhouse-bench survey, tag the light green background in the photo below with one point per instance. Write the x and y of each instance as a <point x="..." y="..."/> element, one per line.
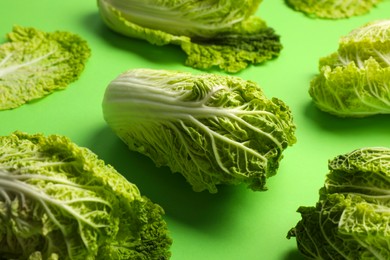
<point x="235" y="223"/>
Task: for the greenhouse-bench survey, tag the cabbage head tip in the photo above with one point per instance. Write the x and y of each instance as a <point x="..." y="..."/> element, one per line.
<point x="355" y="80"/>
<point x="223" y="33"/>
<point x="213" y="129"/>
<point x="352" y="217"/>
<point x="34" y="64"/>
<point x="59" y="201"/>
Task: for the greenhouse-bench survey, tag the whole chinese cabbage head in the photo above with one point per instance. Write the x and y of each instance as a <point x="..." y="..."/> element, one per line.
<point x="213" y="129"/>
<point x="221" y="33"/>
<point x="355" y="80"/>
<point x="59" y="201"/>
<point x="352" y="217"/>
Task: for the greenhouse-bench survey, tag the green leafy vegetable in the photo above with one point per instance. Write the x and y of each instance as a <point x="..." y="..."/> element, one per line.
<point x="34" y="64"/>
<point x="59" y="201"/>
<point x="213" y="129"/>
<point x="355" y="80"/>
<point x="352" y="217"/>
<point x="225" y="33"/>
<point x="333" y="9"/>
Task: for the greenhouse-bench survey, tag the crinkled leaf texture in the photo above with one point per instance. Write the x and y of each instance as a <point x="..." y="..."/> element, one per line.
<point x="225" y="34"/>
<point x="213" y="129"/>
<point x="352" y="217"/>
<point x="59" y="201"/>
<point x="333" y="9"/>
<point x="34" y="64"/>
<point x="355" y="80"/>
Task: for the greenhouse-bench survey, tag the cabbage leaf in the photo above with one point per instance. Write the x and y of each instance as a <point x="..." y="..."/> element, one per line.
<point x="352" y="217"/>
<point x="59" y="201"/>
<point x="333" y="9"/>
<point x="355" y="80"/>
<point x="225" y="34"/>
<point x="34" y="64"/>
<point x="213" y="129"/>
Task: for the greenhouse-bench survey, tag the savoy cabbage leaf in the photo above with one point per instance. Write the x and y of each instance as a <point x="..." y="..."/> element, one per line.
<point x="333" y="9"/>
<point x="213" y="129"/>
<point x="34" y="64"/>
<point x="224" y="34"/>
<point x="59" y="201"/>
<point x="355" y="80"/>
<point x="352" y="217"/>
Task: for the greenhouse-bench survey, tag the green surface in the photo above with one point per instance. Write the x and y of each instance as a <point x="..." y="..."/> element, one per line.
<point x="235" y="223"/>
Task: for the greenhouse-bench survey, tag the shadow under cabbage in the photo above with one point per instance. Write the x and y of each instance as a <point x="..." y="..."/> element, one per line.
<point x="379" y="123"/>
<point x="294" y="254"/>
<point x="169" y="190"/>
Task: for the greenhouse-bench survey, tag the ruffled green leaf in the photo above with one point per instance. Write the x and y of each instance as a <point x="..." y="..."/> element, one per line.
<point x="33" y="64"/>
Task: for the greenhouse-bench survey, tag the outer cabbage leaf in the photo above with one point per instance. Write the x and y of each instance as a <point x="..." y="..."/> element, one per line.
<point x="34" y="64"/>
<point x="212" y="33"/>
<point x="59" y="201"/>
<point x="252" y="48"/>
<point x="352" y="217"/>
<point x="333" y="9"/>
<point x="212" y="129"/>
<point x="355" y="80"/>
